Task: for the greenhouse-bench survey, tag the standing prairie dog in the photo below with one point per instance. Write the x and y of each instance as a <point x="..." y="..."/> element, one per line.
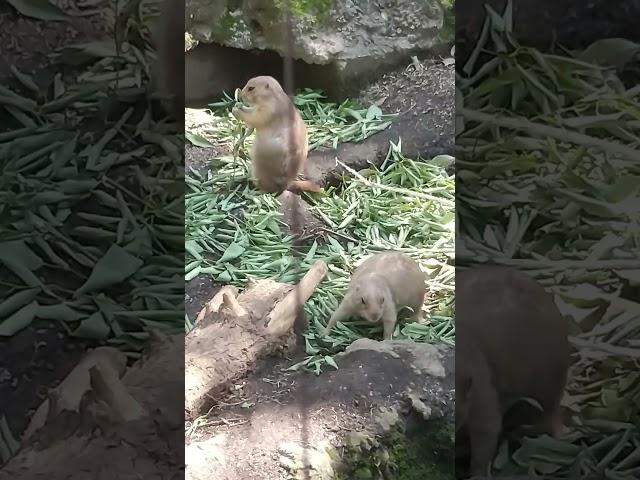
<point x="281" y="145"/>
<point x="511" y="343"/>
<point x="379" y="288"/>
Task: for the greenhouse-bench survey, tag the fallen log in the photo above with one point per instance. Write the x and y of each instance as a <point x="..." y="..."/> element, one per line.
<point x="235" y="331"/>
<point x="106" y="421"/>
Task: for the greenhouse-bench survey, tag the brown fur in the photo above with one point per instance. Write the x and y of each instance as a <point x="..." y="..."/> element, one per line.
<point x="511" y="342"/>
<point x="387" y="282"/>
<point x="281" y="144"/>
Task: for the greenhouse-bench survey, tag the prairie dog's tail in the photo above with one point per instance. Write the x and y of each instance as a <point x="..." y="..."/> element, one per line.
<point x="305" y="186"/>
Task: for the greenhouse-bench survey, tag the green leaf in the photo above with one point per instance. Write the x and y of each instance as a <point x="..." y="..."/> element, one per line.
<point x="198" y="140"/>
<point x="232" y="252"/>
<point x="6" y="437"/>
<point x="95" y="328"/>
<point x="113" y="268"/>
<point x="40" y="9"/>
<point x="224" y="277"/>
<point x="194" y="249"/>
<point x="310" y="349"/>
<point x="18" y="258"/>
<point x="373" y="112"/>
<point x="192" y="274"/>
<point x="330" y="361"/>
<point x="61" y="312"/>
<point x="18" y="300"/>
<point x="25" y="79"/>
<point x="19" y="320"/>
<point x="18" y="251"/>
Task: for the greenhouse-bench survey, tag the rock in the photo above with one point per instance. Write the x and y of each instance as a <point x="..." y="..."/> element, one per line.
<point x="213" y="69"/>
<point x="354" y="41"/>
<point x="310" y="463"/>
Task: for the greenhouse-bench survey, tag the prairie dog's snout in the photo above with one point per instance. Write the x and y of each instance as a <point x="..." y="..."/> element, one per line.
<point x="370" y="303"/>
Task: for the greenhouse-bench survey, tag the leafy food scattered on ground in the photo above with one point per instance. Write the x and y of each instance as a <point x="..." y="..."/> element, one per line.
<point x="235" y="234"/>
<point x="91" y="202"/>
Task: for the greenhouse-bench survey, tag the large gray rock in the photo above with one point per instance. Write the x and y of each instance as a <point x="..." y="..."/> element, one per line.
<point x="354" y="38"/>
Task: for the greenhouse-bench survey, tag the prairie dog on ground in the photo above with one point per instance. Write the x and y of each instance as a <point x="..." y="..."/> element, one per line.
<point x="281" y="144"/>
<point x="379" y="288"/>
<point x="511" y="342"/>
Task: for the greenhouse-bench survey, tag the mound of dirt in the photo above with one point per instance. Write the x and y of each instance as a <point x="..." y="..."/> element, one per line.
<point x="276" y="422"/>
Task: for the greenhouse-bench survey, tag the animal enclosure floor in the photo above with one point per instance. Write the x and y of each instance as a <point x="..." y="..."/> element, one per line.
<point x="421" y="92"/>
<point x="271" y="407"/>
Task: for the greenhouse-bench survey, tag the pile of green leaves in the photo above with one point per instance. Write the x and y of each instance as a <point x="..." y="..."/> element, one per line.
<point x="91" y="203"/>
<point x="547" y="183"/>
<point x="328" y="124"/>
<point x="364" y="219"/>
<point x="235" y="234"/>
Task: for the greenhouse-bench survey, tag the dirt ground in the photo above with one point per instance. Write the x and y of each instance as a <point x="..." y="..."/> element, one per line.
<point x="28" y="43"/>
<point x="423" y="90"/>
<point x="273" y="404"/>
<point x="38" y="357"/>
<point x="33" y="361"/>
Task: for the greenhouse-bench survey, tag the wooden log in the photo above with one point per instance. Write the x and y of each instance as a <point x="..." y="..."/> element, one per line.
<point x="237" y="330"/>
<point x="106" y="421"/>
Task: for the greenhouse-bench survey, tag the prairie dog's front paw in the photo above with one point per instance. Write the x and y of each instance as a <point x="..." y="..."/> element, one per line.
<point x="239" y="109"/>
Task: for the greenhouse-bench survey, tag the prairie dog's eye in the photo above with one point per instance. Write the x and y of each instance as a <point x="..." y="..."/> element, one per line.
<point x="251" y="89"/>
<point x="266" y="85"/>
<point x="382" y="301"/>
<point x="364" y="302"/>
